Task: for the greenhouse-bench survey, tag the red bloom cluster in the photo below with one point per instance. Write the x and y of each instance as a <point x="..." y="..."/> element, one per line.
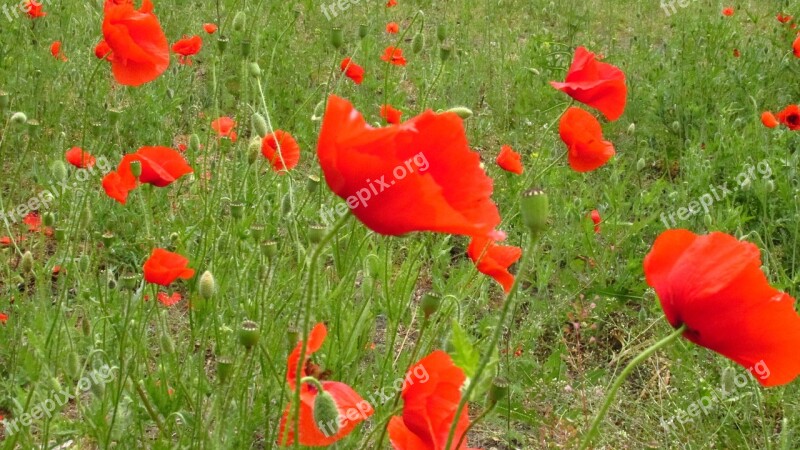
<point x="160" y="166"/>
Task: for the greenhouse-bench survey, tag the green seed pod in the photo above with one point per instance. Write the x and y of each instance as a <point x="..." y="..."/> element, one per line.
<point x="286" y="204"/>
<point x="128" y="282"/>
<point x="114" y="115"/>
<point x="222" y="44"/>
<point x="136" y="168"/>
<point x="430" y="303"/>
<point x="326" y="414"/>
<point x="19" y="118"/>
<point x="26" y="265"/>
<point x="363" y="30"/>
<point x="60" y="234"/>
<point x="239" y="21"/>
<point x="5" y="100"/>
<point x="292" y="337"/>
<point x="441" y="32"/>
<point x="461" y="111"/>
<point x="194" y="143"/>
<point x="249" y="334"/>
<point x="535" y="208"/>
<point x="108" y="238"/>
<point x="337" y="37"/>
<point x="224" y="368"/>
<point x="316" y="233"/>
<point x="207" y="286"/>
<point x="270" y="249"/>
<point x="444" y="53"/>
<point x="770" y="186"/>
<point x="237" y="210"/>
<point x="86" y="326"/>
<point x="497" y="392"/>
<point x="256" y="231"/>
<point x="418" y="43"/>
<point x="313" y="183"/>
<point x="260" y="125"/>
<point x="49" y="219"/>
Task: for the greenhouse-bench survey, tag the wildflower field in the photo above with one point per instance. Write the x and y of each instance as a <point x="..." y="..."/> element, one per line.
<point x="409" y="225"/>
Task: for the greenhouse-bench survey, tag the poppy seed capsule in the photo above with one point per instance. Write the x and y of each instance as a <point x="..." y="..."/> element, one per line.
<point x="108" y="238"/>
<point x="128" y="282"/>
<point x="535" y="209"/>
<point x="26" y="265"/>
<point x="19" y="118"/>
<point x="444" y="53"/>
<point x="249" y="334"/>
<point x="316" y="233"/>
<point x="224" y="368"/>
<point x="260" y="125"/>
<point x="498" y="391"/>
<point x="136" y="168"/>
<point x="337" y="37"/>
<point x="5" y="100"/>
<point x="326" y="414"/>
<point x="269" y="248"/>
<point x="418" y="43"/>
<point x="49" y="219"/>
<point x="222" y="44"/>
<point x="430" y="303"/>
<point x="237" y="210"/>
<point x="256" y="231"/>
<point x="113" y="116"/>
<point x="207" y="286"/>
<point x="313" y="183"/>
<point x="363" y="30"/>
<point x="194" y="142"/>
<point x="461" y="111"/>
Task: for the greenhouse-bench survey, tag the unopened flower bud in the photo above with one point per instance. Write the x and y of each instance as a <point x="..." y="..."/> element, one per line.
<point x="194" y="142"/>
<point x="418" y="43"/>
<point x="254" y="69"/>
<point x="632" y="128"/>
<point x="444" y="53"/>
<point x="326" y="414"/>
<point x="239" y="21"/>
<point x="86" y="326"/>
<point x="26" y="265"/>
<point x="249" y="334"/>
<point x="286" y="204"/>
<point x="167" y="344"/>
<point x="260" y="125"/>
<point x="461" y="111"/>
<point x="535" y="208"/>
<point x="640" y="164"/>
<point x="19" y="118"/>
<point x="441" y="32"/>
<point x="58" y="170"/>
<point x="48" y="219"/>
<point x="207" y="286"/>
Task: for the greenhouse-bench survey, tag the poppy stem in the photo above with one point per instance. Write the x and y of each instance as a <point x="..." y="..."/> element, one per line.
<point x="389" y="64"/>
<point x="587" y="440"/>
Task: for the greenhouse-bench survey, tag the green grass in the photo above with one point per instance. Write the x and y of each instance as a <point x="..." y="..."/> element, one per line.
<point x="691" y="121"/>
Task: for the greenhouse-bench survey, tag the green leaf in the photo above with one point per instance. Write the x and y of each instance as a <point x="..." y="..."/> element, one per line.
<point x="463" y="351"/>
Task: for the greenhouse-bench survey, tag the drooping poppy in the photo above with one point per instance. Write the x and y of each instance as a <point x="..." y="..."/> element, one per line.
<point x="494" y="260"/>
<point x="714" y="285"/>
<point x="394" y="55"/>
<point x="34" y="9"/>
<point x="796" y="47"/>
<point x="103" y="50"/>
<point x="596" y="84"/>
<point x="582" y="134"/>
<point x="783" y="18"/>
<point x="55" y="50"/>
<point x="187" y="47"/>
<point x="423" y="171"/>
<point x="392" y="28"/>
<point x="769" y="120"/>
<point x="790" y="116"/>
<point x="352" y="70"/>
<point x="141" y="50"/>
<point x="210" y="28"/>
<point x="224" y="126"/>
<point x="510" y="160"/>
<point x="281" y="150"/>
<point x="161" y="166"/>
<point x="429" y="408"/>
<point x="163" y="267"/>
<point x="727" y="12"/>
<point x="79" y="158"/>
<point x="352" y="408"/>
<point x="33" y="221"/>
<point x="168" y="300"/>
<point x="595" y="216"/>
<point x="391" y="114"/>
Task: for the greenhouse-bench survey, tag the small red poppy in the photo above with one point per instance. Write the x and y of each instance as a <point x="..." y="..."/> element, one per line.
<point x="33" y="8"/>
<point x="224" y="126"/>
<point x="55" y="50"/>
<point x="714" y="285"/>
<point x="210" y="28"/>
<point x="494" y="260"/>
<point x="510" y="160"/>
<point x="769" y="120"/>
<point x="391" y="3"/>
<point x="796" y="47"/>
<point x="392" y="27"/>
<point x="391" y="114"/>
<point x="727" y="12"/>
<point x="187" y="47"/>
<point x="33" y="221"/>
<point x="394" y="55"/>
<point x="102" y="50"/>
<point x="783" y="18"/>
<point x="352" y="70"/>
<point x="281" y="150"/>
<point x="582" y="134"/>
<point x="3" y="318"/>
<point x="141" y="50"/>
<point x="790" y="116"/>
<point x="79" y="158"/>
<point x="736" y="53"/>
<point x="169" y="300"/>
<point x="596" y="84"/>
<point x="163" y="267"/>
<point x="595" y="216"/>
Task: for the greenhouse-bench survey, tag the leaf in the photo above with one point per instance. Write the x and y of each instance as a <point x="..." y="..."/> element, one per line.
<point x="464" y="354"/>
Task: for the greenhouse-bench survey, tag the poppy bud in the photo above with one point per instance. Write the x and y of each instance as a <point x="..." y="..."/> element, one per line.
<point x="269" y="248"/>
<point x="534" y="71"/>
<point x="58" y="170"/>
<point x="49" y="219"/>
<point x="632" y="128"/>
<point x="640" y="164"/>
<point x="430" y="303"/>
<point x="676" y="126"/>
<point x="254" y="69"/>
<point x="256" y="231"/>
<point x="60" y="234"/>
<point x="245" y="48"/>
<point x="239" y="21"/>
<point x="84" y="262"/>
<point x="86" y="326"/>
<point x="237" y="210"/>
<point x="114" y="115"/>
<point x="441" y="32"/>
<point x="337" y="38"/>
<point x="363" y="30"/>
<point x="112" y="283"/>
<point x="194" y="142"/>
<point x="249" y="334"/>
<point x="136" y="168"/>
<point x="167" y="344"/>
<point x="260" y="125"/>
<point x="224" y="368"/>
<point x="222" y="44"/>
<point x="326" y="414"/>
<point x="286" y="204"/>
<point x="418" y="43"/>
<point x="253" y="150"/>
<point x="73" y="365"/>
<point x="444" y="53"/>
<point x="108" y="238"/>
<point x="498" y="391"/>
<point x="535" y="209"/>
<point x="372" y="265"/>
<point x="316" y="233"/>
<point x="26" y="265"/>
<point x="461" y="111"/>
<point x="770" y="186"/>
<point x="5" y="100"/>
<point x="207" y="286"/>
<point x="19" y="118"/>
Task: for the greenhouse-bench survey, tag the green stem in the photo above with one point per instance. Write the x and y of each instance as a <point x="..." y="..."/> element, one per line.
<point x="473" y="422"/>
<point x="621" y="379"/>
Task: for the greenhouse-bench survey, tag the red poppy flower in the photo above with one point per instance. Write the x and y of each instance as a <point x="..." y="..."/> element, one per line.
<point x="210" y="28"/>
<point x="595" y="216"/>
<point x="494" y="260"/>
<point x="187" y="47"/>
<point x="5" y="241"/>
<point x="769" y="120"/>
<point x="3" y="318"/>
<point x="34" y="9"/>
<point x="352" y="70"/>
<point x="599" y="85"/>
<point x="281" y="150"/>
<point x="102" y="50"/>
<point x="161" y="166"/>
<point x="391" y="114"/>
<point x="736" y="53"/>
<point x="510" y="160"/>
<point x="79" y="158"/>
<point x="348" y="402"/>
<point x="727" y="12"/>
<point x="394" y="55"/>
<point x="55" y="50"/>
<point x="169" y="300"/>
<point x="163" y="267"/>
<point x="790" y="116"/>
<point x="783" y="18"/>
<point x="141" y="50"/>
<point x="391" y="3"/>
<point x="224" y="126"/>
<point x="33" y="221"/>
<point x="429" y="407"/>
<point x="392" y="27"/>
<point x="796" y="47"/>
<point x="582" y="134"/>
<point x="427" y="177"/>
<point x="714" y="285"/>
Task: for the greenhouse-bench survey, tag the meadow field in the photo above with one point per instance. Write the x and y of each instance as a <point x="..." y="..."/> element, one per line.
<point x="497" y="224"/>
